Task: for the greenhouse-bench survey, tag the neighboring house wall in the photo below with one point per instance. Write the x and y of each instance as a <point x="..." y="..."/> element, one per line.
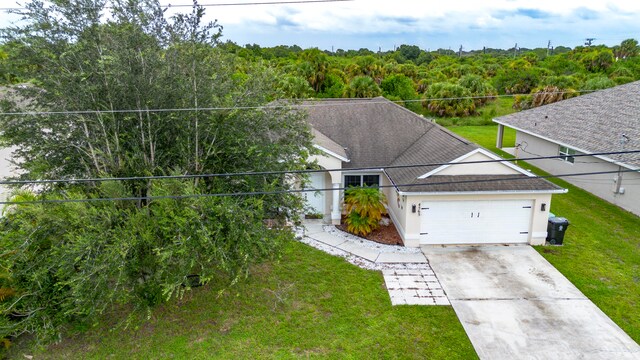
<point x="411" y="229"/>
<point x="603" y="185"/>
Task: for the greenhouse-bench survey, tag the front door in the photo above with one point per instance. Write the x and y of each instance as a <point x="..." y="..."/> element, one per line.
<point x="315" y="199"/>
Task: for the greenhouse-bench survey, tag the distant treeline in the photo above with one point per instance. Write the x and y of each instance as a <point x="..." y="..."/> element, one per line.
<point x="545" y="75"/>
<point x="441" y="83"/>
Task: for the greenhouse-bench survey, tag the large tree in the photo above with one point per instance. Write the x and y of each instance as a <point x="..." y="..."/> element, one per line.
<point x="136" y="94"/>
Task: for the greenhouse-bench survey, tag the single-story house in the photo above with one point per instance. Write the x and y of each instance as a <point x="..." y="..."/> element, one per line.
<point x="597" y="123"/>
<point x="432" y="197"/>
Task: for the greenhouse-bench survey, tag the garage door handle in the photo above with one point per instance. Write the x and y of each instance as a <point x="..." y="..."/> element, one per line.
<point x="476" y="215"/>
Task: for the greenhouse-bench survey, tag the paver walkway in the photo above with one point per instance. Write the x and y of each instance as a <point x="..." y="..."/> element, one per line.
<point x="407" y="273"/>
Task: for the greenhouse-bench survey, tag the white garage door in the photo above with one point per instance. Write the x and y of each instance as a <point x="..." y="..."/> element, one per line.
<point x="475" y="222"/>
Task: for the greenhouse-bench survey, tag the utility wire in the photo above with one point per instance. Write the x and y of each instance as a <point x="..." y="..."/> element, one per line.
<point x="204" y="5"/>
<point x="330" y="103"/>
<point x="284" y="172"/>
<point x="292" y="191"/>
<point x="561" y="157"/>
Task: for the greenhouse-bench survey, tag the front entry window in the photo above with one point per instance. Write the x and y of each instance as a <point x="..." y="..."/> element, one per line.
<point x="361" y="180"/>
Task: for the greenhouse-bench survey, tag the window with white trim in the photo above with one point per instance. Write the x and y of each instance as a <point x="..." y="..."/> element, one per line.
<point x="361" y="180"/>
<point x="567" y="154"/>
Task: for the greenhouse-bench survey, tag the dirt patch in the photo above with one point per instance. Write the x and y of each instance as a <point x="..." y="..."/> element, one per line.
<point x="387" y="235"/>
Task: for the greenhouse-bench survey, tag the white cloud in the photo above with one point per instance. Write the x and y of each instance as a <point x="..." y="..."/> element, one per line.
<point x="470" y="22"/>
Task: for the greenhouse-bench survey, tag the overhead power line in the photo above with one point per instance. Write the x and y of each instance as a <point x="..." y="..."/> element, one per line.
<point x="337" y="102"/>
<point x="285" y="172"/>
<point x="206" y="5"/>
<point x="291" y="191"/>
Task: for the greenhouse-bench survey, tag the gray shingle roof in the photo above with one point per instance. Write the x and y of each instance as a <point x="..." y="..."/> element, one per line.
<point x="436" y="146"/>
<point x="592" y="123"/>
<point x="325" y="142"/>
<point x="379" y="133"/>
<point x="373" y="131"/>
<point x="469" y="183"/>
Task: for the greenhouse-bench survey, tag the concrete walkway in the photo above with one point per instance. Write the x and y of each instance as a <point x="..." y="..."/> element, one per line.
<point x="408" y="277"/>
<point x="513" y="304"/>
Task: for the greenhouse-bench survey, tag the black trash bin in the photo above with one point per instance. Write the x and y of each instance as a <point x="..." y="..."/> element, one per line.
<point x="556" y="227"/>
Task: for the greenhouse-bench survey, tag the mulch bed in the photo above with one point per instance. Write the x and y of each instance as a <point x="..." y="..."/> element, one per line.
<point x="387" y="235"/>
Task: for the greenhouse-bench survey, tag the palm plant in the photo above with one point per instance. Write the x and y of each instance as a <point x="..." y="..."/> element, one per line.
<point x="365" y="207"/>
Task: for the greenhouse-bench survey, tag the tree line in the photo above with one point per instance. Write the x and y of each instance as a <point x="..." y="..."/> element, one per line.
<point x="411" y="73"/>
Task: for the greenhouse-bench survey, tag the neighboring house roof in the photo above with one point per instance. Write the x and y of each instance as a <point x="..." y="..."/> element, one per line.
<point x="379" y="133"/>
<point x="591" y="123"/>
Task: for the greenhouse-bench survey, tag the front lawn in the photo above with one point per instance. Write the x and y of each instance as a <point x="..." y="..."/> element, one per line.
<point x="601" y="251"/>
<point x="308" y="304"/>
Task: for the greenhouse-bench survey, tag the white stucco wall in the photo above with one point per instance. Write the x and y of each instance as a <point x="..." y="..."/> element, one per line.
<point x="489" y="168"/>
<point x="330" y="178"/>
<point x="411" y="230"/>
<point x="395" y="206"/>
<point x="6" y="170"/>
<point x="329" y="162"/>
<point x="602" y="186"/>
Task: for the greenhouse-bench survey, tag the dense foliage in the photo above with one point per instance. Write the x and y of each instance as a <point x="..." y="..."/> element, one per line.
<point x="408" y="73"/>
<point x="72" y="261"/>
<point x="364" y="207"/>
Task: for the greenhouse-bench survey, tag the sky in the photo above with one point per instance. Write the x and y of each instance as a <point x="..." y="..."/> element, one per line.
<point x="448" y="24"/>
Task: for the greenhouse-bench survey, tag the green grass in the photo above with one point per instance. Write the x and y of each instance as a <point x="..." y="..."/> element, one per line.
<point x="499" y="107"/>
<point x="601" y="251"/>
<point x="307" y="305"/>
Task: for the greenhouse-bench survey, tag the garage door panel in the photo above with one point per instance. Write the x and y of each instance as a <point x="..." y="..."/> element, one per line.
<point x="475" y="222"/>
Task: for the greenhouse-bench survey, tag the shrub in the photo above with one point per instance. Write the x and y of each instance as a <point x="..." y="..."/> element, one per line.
<point x="364" y="207"/>
<point x="75" y="261"/>
<point x="598" y="83"/>
<point x="363" y="87"/>
<point x="543" y="96"/>
<point x="445" y="99"/>
<point x="480" y="89"/>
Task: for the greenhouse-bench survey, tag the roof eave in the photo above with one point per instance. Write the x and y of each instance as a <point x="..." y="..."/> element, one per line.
<point x="460" y="161"/>
<point x="329" y="152"/>
<point x="493" y="192"/>
<point x="601" y="157"/>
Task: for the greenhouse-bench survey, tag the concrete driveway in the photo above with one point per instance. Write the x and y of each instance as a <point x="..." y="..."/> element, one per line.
<point x="514" y="305"/>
